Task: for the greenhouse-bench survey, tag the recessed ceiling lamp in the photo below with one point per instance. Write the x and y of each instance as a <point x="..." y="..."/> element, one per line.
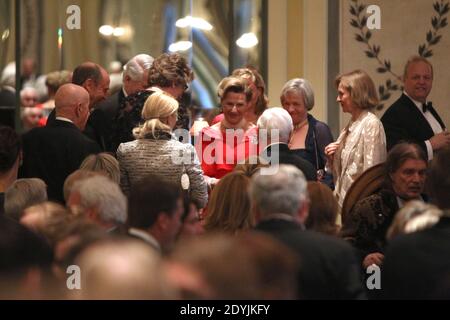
<point x="247" y="40"/>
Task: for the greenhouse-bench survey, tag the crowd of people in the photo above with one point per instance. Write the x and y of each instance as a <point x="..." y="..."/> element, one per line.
<point x="254" y="205"/>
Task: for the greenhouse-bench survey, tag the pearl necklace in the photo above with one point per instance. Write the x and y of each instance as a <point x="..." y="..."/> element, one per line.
<point x="300" y="125"/>
<point x="297" y="128"/>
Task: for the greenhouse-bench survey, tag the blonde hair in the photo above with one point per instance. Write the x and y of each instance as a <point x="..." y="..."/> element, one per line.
<point x="361" y="88"/>
<point x="413" y="60"/>
<point x="251" y="165"/>
<point x="102" y="162"/>
<point x="414" y="216"/>
<point x="157" y="108"/>
<point x="253" y="75"/>
<point x="236" y="85"/>
<point x="229" y="206"/>
<point x="323" y="209"/>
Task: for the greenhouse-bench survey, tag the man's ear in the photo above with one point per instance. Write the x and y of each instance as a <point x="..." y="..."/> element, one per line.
<point x="78" y="110"/>
<point x="162" y="221"/>
<point x="303" y="211"/>
<point x="88" y="84"/>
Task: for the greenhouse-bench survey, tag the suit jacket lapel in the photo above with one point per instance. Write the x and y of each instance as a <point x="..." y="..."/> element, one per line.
<point x="418" y="120"/>
<point x="436" y="116"/>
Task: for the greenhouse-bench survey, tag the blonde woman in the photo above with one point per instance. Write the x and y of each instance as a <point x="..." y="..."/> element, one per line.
<point x="231" y="140"/>
<point x="229" y="208"/>
<point x="102" y="162"/>
<point x="156" y="151"/>
<point x="362" y="143"/>
<point x="259" y="100"/>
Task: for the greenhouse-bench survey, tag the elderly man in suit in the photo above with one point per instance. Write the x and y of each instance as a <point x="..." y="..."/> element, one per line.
<point x="412" y="118"/>
<point x="416" y="265"/>
<point x="53" y="152"/>
<point x="328" y="266"/>
<point x="278" y="121"/>
<point x="135" y="79"/>
<point x="95" y="80"/>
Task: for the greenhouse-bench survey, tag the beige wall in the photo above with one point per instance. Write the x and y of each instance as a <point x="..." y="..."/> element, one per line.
<point x="297" y="48"/>
<point x="403" y="29"/>
<point x="277" y="46"/>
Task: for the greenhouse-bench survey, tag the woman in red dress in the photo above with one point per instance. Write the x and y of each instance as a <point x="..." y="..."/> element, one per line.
<point x="231" y="140"/>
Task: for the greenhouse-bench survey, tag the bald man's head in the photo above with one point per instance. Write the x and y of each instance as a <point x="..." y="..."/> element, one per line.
<point x="122" y="269"/>
<point x="72" y="102"/>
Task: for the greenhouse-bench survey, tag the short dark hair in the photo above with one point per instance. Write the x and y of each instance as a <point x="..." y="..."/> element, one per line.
<point x="21" y="248"/>
<point x="170" y="69"/>
<point x="148" y="198"/>
<point x="10" y="146"/>
<point x="439" y="179"/>
<point x="86" y="70"/>
<point x="398" y="155"/>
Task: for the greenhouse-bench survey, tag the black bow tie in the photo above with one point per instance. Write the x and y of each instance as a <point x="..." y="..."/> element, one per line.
<point x="426" y="106"/>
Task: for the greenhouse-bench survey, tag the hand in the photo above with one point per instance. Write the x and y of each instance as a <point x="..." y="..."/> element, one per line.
<point x="440" y="140"/>
<point x="373" y="258"/>
<point x="330" y="150"/>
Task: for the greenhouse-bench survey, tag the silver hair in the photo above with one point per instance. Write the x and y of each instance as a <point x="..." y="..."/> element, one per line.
<point x="283" y="192"/>
<point x="22" y="194"/>
<point x="28" y="90"/>
<point x="301" y="87"/>
<point x="104" y="194"/>
<point x="136" y="66"/>
<point x="276" y="119"/>
<point x="9" y="75"/>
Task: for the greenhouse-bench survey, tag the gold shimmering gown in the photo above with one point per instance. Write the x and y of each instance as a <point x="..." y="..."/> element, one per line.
<point x="362" y="144"/>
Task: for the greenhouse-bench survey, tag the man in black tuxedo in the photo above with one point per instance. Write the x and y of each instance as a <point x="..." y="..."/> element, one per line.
<point x="412" y="118"/>
<point x="56" y="150"/>
<point x="278" y="121"/>
<point x="328" y="267"/>
<point x="417" y="265"/>
<point x="95" y="80"/>
<point x="134" y="78"/>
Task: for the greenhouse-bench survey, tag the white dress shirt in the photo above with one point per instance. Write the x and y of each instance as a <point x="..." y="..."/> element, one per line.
<point x="434" y="124"/>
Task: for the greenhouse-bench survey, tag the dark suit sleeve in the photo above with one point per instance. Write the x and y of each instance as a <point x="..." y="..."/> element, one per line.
<point x="98" y="129"/>
<point x="347" y="271"/>
<point x="394" y="127"/>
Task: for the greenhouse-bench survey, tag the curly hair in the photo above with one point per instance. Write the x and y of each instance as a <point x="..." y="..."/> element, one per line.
<point x="170" y="69"/>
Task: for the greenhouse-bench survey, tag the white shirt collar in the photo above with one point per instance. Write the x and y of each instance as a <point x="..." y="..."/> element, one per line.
<point x="417" y="103"/>
<point x="401" y="203"/>
<point x="64" y="119"/>
<point x="281" y="216"/>
<point x="147" y="237"/>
